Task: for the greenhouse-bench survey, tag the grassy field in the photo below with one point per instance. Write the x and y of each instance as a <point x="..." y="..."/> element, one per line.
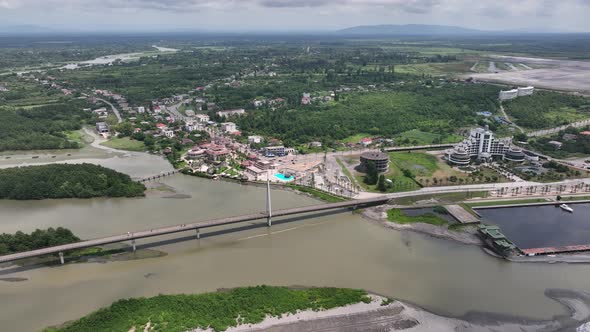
<point x="218" y="311"/>
<point x="435" y="69"/>
<point x="398" y="216"/>
<point x="417" y="137"/>
<point x="355" y="138"/>
<point x="507" y="202"/>
<point x="449" y="198"/>
<point x="76" y="136"/>
<point x="125" y="143"/>
<point x="324" y="196"/>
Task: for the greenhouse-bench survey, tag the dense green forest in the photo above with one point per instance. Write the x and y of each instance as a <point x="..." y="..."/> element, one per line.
<point x="41" y="127"/>
<point x="546" y="109"/>
<point x="66" y="181"/>
<point x="439" y="110"/>
<point x="19" y="242"/>
<point x="179" y="313"/>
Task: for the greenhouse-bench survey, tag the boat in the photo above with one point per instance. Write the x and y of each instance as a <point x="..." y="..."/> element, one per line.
<point x="565" y="207"/>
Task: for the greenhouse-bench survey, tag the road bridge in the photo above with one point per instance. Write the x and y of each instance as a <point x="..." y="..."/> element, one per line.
<point x="197" y="226"/>
<point x="514" y="188"/>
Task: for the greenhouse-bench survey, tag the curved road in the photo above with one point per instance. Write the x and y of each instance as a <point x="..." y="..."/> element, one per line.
<point x="115" y="110"/>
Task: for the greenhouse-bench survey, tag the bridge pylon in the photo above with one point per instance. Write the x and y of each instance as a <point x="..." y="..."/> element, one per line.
<point x="268" y="205"/>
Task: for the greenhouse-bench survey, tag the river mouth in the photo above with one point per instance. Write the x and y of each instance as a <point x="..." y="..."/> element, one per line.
<point x="333" y="249"/>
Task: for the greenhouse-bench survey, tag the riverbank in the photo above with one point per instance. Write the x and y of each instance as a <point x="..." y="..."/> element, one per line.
<point x="331" y="309"/>
<point x="466" y="235"/>
<point x="384" y="315"/>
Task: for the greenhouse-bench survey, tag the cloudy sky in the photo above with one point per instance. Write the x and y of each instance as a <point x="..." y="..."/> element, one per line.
<point x="303" y="15"/>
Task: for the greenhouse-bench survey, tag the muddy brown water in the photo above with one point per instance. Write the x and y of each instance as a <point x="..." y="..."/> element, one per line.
<point x="337" y="249"/>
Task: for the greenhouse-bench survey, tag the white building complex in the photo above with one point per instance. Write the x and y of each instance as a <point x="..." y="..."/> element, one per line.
<point x="527" y="91"/>
<point x="518" y="92"/>
<point x="481" y="144"/>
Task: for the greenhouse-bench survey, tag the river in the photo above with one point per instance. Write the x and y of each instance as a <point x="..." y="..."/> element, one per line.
<point x="323" y="250"/>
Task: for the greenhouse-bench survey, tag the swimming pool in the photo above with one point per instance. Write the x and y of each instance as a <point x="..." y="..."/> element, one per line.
<point x="282" y="177"/>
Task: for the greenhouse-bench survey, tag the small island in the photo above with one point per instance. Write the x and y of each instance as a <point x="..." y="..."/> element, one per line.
<point x="217" y="311"/>
<point x="66" y="181"/>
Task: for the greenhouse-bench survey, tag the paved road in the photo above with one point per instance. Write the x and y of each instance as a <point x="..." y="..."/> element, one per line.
<point x="545" y="132"/>
<point x="115" y="110"/>
<point x="505" y="115"/>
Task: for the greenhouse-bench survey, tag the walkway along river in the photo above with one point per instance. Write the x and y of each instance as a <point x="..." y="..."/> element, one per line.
<point x="333" y="250"/>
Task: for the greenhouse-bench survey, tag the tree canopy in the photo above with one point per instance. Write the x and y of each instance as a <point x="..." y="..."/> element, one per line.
<point x="66" y="181"/>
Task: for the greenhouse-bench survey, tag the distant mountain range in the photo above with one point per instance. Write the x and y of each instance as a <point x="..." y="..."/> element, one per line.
<point x="410" y="30"/>
<point x="24" y="29"/>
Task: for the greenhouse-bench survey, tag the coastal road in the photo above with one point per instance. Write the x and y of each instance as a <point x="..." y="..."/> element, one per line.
<point x="115" y="110"/>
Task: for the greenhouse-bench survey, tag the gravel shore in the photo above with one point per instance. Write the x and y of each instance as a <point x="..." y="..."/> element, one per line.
<point x="383" y="315"/>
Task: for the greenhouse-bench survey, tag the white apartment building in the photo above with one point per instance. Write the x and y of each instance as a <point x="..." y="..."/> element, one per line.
<point x="527" y="91"/>
<point x="481" y="144"/>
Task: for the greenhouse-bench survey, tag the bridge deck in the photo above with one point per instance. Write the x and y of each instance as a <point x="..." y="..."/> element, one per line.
<point x="187" y="227"/>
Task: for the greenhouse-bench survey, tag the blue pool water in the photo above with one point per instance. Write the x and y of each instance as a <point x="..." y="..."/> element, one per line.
<point x="282" y="177"/>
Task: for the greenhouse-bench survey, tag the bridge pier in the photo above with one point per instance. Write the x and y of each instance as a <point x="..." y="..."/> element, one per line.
<point x="133" y="244"/>
<point x="198" y="233"/>
<point x="61" y="258"/>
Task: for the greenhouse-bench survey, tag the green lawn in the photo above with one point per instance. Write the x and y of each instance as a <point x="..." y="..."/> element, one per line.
<point x="439" y="69"/>
<point x="76" y="136"/>
<point x="508" y="202"/>
<point x="355" y="138"/>
<point x="417" y="137"/>
<point x="400" y="217"/>
<point x="421" y="164"/>
<point x="125" y="143"/>
<point x="324" y="196"/>
<point x="441" y="198"/>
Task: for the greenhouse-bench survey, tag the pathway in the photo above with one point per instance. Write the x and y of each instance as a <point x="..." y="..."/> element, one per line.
<point x="461" y="214"/>
<point x="115" y="110"/>
<point x="505" y="115"/>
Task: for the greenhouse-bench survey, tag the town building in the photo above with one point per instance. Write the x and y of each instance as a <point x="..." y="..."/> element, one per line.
<point x="196" y="153"/>
<point x="216" y="152"/>
<point x="101" y="113"/>
<point x="315" y="144"/>
<point x="271" y="151"/>
<point x="203" y="118"/>
<point x="141" y="109"/>
<point x="306" y="99"/>
<point x="189" y="113"/>
<point x="102" y="128"/>
<point x="366" y="141"/>
<point x="229" y="127"/>
<point x="255" y="139"/>
<point x="194" y="126"/>
<point x="556" y="144"/>
<point x="481" y="144"/>
<point x="168" y="133"/>
<point x="228" y="113"/>
<point x="379" y="159"/>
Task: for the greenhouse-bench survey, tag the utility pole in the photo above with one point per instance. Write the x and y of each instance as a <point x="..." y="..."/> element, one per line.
<point x="268" y="206"/>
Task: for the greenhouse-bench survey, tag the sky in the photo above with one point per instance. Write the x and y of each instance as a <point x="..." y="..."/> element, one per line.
<point x="294" y="15"/>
